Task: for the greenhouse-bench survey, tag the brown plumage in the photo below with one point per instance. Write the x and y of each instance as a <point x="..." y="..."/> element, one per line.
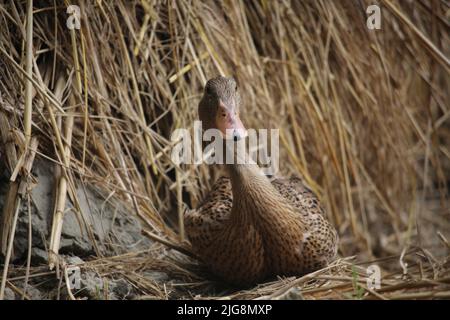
<point x="249" y="228"/>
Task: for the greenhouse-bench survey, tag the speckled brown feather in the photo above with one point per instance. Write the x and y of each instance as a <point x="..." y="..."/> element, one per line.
<point x="203" y="223"/>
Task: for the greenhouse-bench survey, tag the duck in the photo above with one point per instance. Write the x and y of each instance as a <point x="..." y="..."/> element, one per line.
<point x="249" y="227"/>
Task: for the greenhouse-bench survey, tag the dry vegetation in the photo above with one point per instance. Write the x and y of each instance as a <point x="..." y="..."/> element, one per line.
<point x="364" y="118"/>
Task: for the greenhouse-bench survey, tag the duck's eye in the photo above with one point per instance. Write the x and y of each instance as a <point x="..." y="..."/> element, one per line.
<point x="236" y="88"/>
<point x="224" y="114"/>
<point x="208" y="90"/>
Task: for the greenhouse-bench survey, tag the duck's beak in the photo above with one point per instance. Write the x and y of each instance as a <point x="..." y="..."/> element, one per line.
<point x="229" y="123"/>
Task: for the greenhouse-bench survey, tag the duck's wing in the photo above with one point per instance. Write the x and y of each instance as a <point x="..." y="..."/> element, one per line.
<point x="299" y="195"/>
<point x="203" y="223"/>
<point x="320" y="242"/>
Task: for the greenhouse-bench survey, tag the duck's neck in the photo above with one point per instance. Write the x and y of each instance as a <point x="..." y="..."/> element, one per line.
<point x="253" y="193"/>
<point x="247" y="178"/>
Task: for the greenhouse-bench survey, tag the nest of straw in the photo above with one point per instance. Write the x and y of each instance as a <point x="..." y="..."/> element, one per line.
<point x="363" y="117"/>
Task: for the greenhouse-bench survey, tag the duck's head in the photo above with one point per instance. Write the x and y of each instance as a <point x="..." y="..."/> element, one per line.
<point x="219" y="108"/>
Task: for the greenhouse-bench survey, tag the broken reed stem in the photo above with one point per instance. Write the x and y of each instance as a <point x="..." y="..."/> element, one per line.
<point x="30" y="243"/>
<point x="8" y="214"/>
<point x="11" y="195"/>
<point x="29" y="69"/>
<point x="86" y="108"/>
<point x="61" y="195"/>
<point x="67" y="281"/>
<point x="9" y="250"/>
<point x="180" y="205"/>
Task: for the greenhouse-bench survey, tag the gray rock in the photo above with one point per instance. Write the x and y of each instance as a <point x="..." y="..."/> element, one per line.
<point x="79" y="246"/>
<point x="120" y="289"/>
<point x="9" y="294"/>
<point x="31" y="291"/>
<point x="34" y="293"/>
<point x="114" y="229"/>
<point x="74" y="260"/>
<point x="38" y="256"/>
<point x="91" y="286"/>
<point x="39" y="230"/>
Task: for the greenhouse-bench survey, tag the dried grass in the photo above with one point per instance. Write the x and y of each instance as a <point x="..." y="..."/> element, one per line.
<point x="364" y="118"/>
